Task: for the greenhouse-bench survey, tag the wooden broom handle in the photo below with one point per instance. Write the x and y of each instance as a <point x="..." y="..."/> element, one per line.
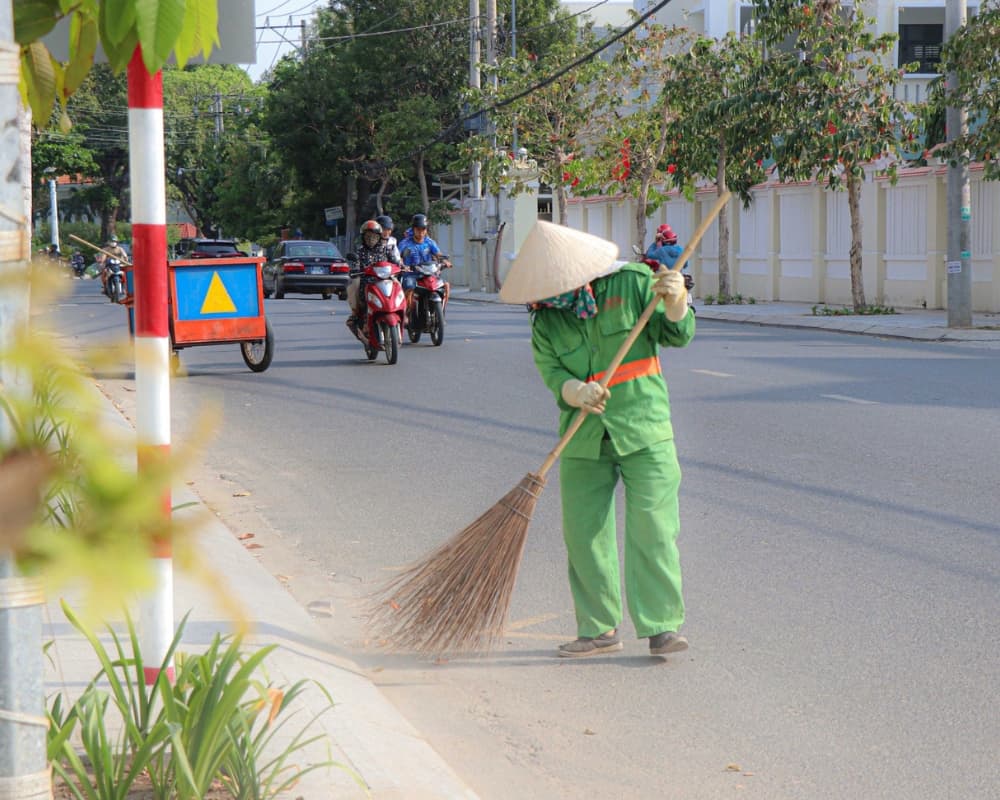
<point x="634" y="334"/>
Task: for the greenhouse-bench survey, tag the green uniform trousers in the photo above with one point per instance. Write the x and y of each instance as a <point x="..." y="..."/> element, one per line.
<point x="652" y="478"/>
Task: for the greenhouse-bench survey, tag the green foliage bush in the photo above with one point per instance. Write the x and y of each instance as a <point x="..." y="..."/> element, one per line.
<point x="213" y="729"/>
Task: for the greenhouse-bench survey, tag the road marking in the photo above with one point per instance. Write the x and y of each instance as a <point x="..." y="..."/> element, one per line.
<point x="547" y="637"/>
<point x="713" y="373"/>
<point x="527" y="623"/>
<point x="847" y="399"/>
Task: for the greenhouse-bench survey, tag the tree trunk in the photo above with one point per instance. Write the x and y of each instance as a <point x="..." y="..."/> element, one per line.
<point x="351" y="211"/>
<point x="560" y="197"/>
<point x="720" y="184"/>
<point x="857" y="278"/>
<point x="382" y="184"/>
<point x="641" y="204"/>
<point x="425" y="199"/>
<point x="23" y="763"/>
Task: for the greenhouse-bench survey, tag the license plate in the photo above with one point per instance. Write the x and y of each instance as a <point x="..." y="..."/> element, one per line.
<point x="317" y="270"/>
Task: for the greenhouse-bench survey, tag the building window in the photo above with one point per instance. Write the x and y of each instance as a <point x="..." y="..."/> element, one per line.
<point x="921" y="43"/>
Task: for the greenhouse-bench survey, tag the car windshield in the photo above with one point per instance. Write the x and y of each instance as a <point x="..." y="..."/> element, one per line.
<point x="215" y="247"/>
<point x="306" y="249"/>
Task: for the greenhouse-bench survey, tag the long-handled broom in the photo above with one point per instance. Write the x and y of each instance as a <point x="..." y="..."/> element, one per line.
<point x="456" y="598"/>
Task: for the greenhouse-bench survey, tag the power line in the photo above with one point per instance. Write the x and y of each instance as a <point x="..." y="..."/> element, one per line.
<point x="534" y="88"/>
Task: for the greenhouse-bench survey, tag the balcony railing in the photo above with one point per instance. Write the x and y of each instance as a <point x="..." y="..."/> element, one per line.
<point x="913" y="88"/>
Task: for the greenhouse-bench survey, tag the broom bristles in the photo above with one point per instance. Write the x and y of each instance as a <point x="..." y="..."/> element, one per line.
<point x="456" y="598"/>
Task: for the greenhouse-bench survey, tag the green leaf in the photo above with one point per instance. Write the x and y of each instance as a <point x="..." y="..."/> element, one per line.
<point x="159" y="24"/>
<point x="34" y="18"/>
<point x="119" y="19"/>
<point x="82" y="45"/>
<point x="200" y="32"/>
<point x="38" y="72"/>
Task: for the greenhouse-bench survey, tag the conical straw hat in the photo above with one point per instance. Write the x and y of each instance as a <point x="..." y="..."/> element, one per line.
<point x="555" y="259"/>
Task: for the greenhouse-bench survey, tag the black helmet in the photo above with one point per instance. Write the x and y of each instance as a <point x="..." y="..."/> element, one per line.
<point x="385" y="221"/>
<point x="419" y="221"/>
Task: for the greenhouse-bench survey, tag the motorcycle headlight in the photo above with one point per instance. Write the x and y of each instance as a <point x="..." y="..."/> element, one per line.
<point x="383" y="272"/>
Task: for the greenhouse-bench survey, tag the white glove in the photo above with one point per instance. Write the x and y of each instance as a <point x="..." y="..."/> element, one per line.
<point x="590" y="396"/>
<point x="670" y="286"/>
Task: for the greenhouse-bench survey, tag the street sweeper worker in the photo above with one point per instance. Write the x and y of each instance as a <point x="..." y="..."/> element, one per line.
<point x="584" y="304"/>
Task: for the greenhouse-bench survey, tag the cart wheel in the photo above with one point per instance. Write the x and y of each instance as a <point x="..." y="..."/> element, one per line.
<point x="175" y="363"/>
<point x="257" y="355"/>
<point x="327" y="295"/>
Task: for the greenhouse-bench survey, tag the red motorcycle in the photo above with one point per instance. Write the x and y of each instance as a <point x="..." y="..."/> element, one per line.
<point x="381" y="329"/>
<point x="430" y="296"/>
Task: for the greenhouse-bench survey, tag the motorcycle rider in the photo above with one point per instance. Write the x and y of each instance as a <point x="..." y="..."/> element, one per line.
<point x="387" y="225"/>
<point x="371" y="250"/>
<point x="419" y="248"/>
<point x="666" y="251"/>
<point x="113" y="250"/>
<point x="664" y="247"/>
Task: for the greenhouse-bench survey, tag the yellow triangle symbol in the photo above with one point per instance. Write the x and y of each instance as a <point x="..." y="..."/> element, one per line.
<point x="217" y="299"/>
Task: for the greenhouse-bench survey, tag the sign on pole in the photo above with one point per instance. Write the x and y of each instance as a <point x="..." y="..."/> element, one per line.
<point x="333" y="213"/>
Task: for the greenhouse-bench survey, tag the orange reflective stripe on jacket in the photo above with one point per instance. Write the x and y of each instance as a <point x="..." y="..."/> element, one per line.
<point x="631" y="371"/>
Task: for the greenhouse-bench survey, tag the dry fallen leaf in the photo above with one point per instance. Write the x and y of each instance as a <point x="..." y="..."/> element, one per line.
<point x="733" y="767"/>
<point x="588" y="732"/>
<point x="23" y="473"/>
<point x="241" y="494"/>
<point x="243" y="536"/>
<point x="253" y="546"/>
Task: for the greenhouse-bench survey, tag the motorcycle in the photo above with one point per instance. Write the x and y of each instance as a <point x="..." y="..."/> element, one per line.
<point x="381" y="328"/>
<point x="115" y="291"/>
<point x="78" y="264"/>
<point x="429" y="300"/>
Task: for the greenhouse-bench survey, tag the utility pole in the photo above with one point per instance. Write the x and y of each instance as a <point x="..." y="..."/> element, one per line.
<point x="24" y="769"/>
<point x="475" y="176"/>
<point x="959" y="260"/>
<point x="513" y="54"/>
<point x="54" y="213"/>
<point x="493" y="215"/>
<point x="217" y="112"/>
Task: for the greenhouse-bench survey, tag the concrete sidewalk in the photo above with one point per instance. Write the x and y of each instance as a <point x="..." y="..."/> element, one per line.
<point x="378" y="753"/>
<point x="916" y="324"/>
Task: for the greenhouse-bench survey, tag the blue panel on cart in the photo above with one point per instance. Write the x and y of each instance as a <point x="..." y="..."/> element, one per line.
<point x="218" y="292"/>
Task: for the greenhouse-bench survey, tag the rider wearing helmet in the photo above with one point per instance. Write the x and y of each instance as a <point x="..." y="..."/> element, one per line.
<point x="390" y="241"/>
<point x="111" y="250"/>
<point x="419" y="248"/>
<point x="371" y="250"/>
<point x="666" y="251"/>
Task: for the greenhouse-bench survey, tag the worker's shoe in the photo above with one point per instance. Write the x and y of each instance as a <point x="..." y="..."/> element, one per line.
<point x="667" y="642"/>
<point x="587" y="646"/>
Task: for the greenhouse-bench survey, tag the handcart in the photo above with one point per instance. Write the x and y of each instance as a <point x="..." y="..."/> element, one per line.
<point x="218" y="301"/>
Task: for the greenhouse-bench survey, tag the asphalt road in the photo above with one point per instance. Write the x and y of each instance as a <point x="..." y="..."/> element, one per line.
<point x="840" y="541"/>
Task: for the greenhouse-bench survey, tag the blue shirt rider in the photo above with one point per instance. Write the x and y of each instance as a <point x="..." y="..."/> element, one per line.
<point x="419" y="248"/>
<point x="665" y="248"/>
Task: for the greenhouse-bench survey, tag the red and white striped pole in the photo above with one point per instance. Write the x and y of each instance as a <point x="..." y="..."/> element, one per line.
<point x="152" y="335"/>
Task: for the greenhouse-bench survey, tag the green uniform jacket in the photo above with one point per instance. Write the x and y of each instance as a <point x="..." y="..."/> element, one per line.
<point x="565" y="346"/>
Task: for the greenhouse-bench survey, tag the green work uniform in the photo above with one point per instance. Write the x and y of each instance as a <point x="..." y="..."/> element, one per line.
<point x="633" y="439"/>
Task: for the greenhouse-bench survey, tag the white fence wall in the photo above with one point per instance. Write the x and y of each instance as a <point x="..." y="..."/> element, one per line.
<point x="792" y="242"/>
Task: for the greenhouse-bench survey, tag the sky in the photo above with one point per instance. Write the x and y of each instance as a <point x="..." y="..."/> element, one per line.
<point x="278" y="24"/>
